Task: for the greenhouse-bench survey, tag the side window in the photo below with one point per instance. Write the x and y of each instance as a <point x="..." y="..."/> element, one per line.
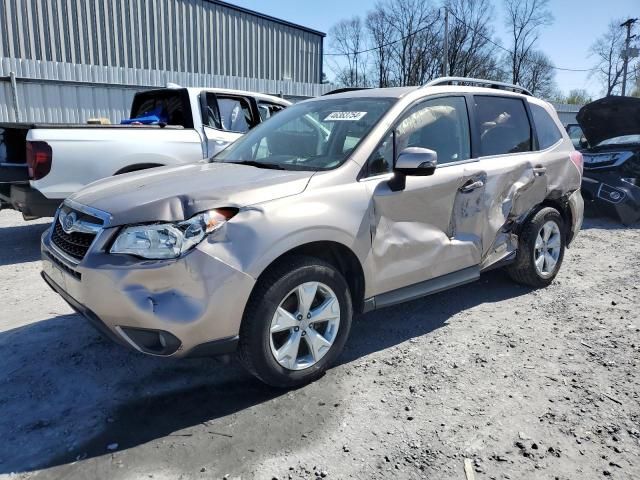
<point x="548" y="133"/>
<point x="235" y="114"/>
<point x="440" y="124"/>
<point x="211" y="114"/>
<point x="503" y="125"/>
<point x="577" y="137"/>
<point x="169" y="107"/>
<point x="268" y="110"/>
<point x="381" y="161"/>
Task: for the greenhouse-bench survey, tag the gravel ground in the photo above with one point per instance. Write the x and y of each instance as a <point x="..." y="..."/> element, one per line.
<point x="520" y="383"/>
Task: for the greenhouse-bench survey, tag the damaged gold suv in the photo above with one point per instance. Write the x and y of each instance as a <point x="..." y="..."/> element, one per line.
<point x="336" y="206"/>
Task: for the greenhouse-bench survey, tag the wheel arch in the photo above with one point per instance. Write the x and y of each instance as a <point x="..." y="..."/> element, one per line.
<point x="338" y="255"/>
<point x="137" y="167"/>
<point x="560" y="204"/>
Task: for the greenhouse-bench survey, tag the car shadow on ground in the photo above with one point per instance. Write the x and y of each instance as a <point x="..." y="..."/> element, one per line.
<point x="21" y="244"/>
<point x="67" y="393"/>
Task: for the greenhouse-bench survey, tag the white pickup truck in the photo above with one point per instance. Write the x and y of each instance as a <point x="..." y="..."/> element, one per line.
<point x="40" y="165"/>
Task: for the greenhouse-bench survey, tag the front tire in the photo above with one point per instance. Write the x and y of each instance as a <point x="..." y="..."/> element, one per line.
<point x="296" y="322"/>
<point x="540" y="250"/>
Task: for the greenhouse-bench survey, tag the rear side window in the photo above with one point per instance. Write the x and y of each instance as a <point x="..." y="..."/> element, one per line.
<point x="170" y="107"/>
<point x="503" y="125"/>
<point x="548" y="133"/>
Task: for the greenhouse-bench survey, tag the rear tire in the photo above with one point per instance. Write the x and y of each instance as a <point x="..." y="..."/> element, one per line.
<point x="540" y="250"/>
<point x="284" y="340"/>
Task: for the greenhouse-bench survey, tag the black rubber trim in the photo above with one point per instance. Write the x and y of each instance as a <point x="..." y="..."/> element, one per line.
<point x="428" y="287"/>
<point x="93" y="319"/>
<point x="224" y="346"/>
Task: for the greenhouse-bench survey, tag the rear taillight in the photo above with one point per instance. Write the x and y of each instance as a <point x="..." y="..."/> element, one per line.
<point x="38" y="159"/>
<point x="576" y="158"/>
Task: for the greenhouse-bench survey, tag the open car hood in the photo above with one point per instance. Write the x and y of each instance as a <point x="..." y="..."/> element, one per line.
<point x="609" y="117"/>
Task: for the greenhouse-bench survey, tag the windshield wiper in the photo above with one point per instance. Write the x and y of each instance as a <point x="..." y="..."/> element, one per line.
<point x="253" y="163"/>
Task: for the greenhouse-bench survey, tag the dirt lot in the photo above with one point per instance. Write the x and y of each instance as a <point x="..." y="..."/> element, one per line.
<point x="524" y="384"/>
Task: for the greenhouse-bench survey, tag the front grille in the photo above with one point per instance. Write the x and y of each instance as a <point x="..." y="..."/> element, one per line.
<point x="63" y="266"/>
<point x="74" y="244"/>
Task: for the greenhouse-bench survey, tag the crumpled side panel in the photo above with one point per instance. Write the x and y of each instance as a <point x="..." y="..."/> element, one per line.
<point x="510" y="194"/>
<point x="413" y="235"/>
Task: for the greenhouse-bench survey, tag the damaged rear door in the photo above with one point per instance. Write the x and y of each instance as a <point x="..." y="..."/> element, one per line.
<point x="433" y="226"/>
<point x="516" y="177"/>
<point x="523" y="166"/>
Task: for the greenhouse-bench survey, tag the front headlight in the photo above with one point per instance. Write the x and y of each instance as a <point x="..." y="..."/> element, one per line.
<point x="170" y="240"/>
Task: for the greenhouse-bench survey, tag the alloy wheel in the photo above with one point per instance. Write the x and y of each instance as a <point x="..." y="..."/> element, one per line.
<point x="547" y="249"/>
<point x="304" y="326"/>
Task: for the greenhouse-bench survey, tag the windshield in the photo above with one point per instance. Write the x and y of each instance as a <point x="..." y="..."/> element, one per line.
<point x="317" y="135"/>
<point x="624" y="139"/>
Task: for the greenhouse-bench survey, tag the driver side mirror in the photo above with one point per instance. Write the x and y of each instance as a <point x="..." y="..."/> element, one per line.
<point x="417" y="161"/>
<point x="414" y="161"/>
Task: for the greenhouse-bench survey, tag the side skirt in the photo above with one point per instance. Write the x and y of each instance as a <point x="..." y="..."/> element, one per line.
<point x="422" y="289"/>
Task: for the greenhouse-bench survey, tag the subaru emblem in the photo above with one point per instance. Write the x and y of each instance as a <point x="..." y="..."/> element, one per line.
<point x="68" y="222"/>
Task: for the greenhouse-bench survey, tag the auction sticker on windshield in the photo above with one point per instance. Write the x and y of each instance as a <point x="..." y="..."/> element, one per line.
<point x="344" y="116"/>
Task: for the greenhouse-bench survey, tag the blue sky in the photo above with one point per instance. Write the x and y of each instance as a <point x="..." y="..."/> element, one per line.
<point x="577" y="23"/>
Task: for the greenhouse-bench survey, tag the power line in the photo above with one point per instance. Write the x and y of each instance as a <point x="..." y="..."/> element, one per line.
<point x="388" y="44"/>
<point x="566" y="69"/>
<point x="384" y="45"/>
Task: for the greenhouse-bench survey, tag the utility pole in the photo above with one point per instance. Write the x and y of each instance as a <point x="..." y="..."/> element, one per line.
<point x="627" y="24"/>
<point x="445" y="47"/>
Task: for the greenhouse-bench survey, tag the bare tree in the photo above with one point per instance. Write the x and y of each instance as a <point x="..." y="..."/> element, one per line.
<point x="380" y="33"/>
<point x="347" y="39"/>
<point x="471" y="51"/>
<point x="609" y="57"/>
<point x="524" y="20"/>
<point x="537" y="74"/>
<point x="416" y="52"/>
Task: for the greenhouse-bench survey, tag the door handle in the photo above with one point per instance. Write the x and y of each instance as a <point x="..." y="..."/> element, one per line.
<point x="539" y="170"/>
<point x="470" y="186"/>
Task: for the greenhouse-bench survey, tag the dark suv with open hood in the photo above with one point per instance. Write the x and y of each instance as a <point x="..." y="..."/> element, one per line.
<point x="611" y="182"/>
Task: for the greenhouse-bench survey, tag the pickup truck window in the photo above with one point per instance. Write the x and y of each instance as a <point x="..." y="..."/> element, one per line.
<point x="268" y="110"/>
<point x="235" y="114"/>
<point x="211" y="114"/>
<point x="170" y="106"/>
<point x="316" y="135"/>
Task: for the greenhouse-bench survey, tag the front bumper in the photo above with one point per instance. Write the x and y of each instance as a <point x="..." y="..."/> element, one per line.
<point x="191" y="306"/>
<point x="605" y="193"/>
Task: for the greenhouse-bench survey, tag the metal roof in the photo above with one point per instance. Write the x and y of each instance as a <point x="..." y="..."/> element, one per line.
<point x="267" y="17"/>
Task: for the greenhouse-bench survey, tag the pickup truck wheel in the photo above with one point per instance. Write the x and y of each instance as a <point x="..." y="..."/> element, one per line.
<point x="541" y="249"/>
<point x="296" y="322"/>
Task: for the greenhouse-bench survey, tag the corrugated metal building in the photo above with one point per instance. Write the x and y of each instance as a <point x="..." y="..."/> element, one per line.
<point x="566" y="112"/>
<point x="73" y="59"/>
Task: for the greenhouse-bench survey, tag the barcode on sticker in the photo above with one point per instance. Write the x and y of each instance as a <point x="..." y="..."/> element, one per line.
<point x="344" y="116"/>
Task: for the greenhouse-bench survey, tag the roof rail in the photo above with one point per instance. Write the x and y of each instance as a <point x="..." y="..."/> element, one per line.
<point x="478" y="82"/>
<point x="347" y="89"/>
